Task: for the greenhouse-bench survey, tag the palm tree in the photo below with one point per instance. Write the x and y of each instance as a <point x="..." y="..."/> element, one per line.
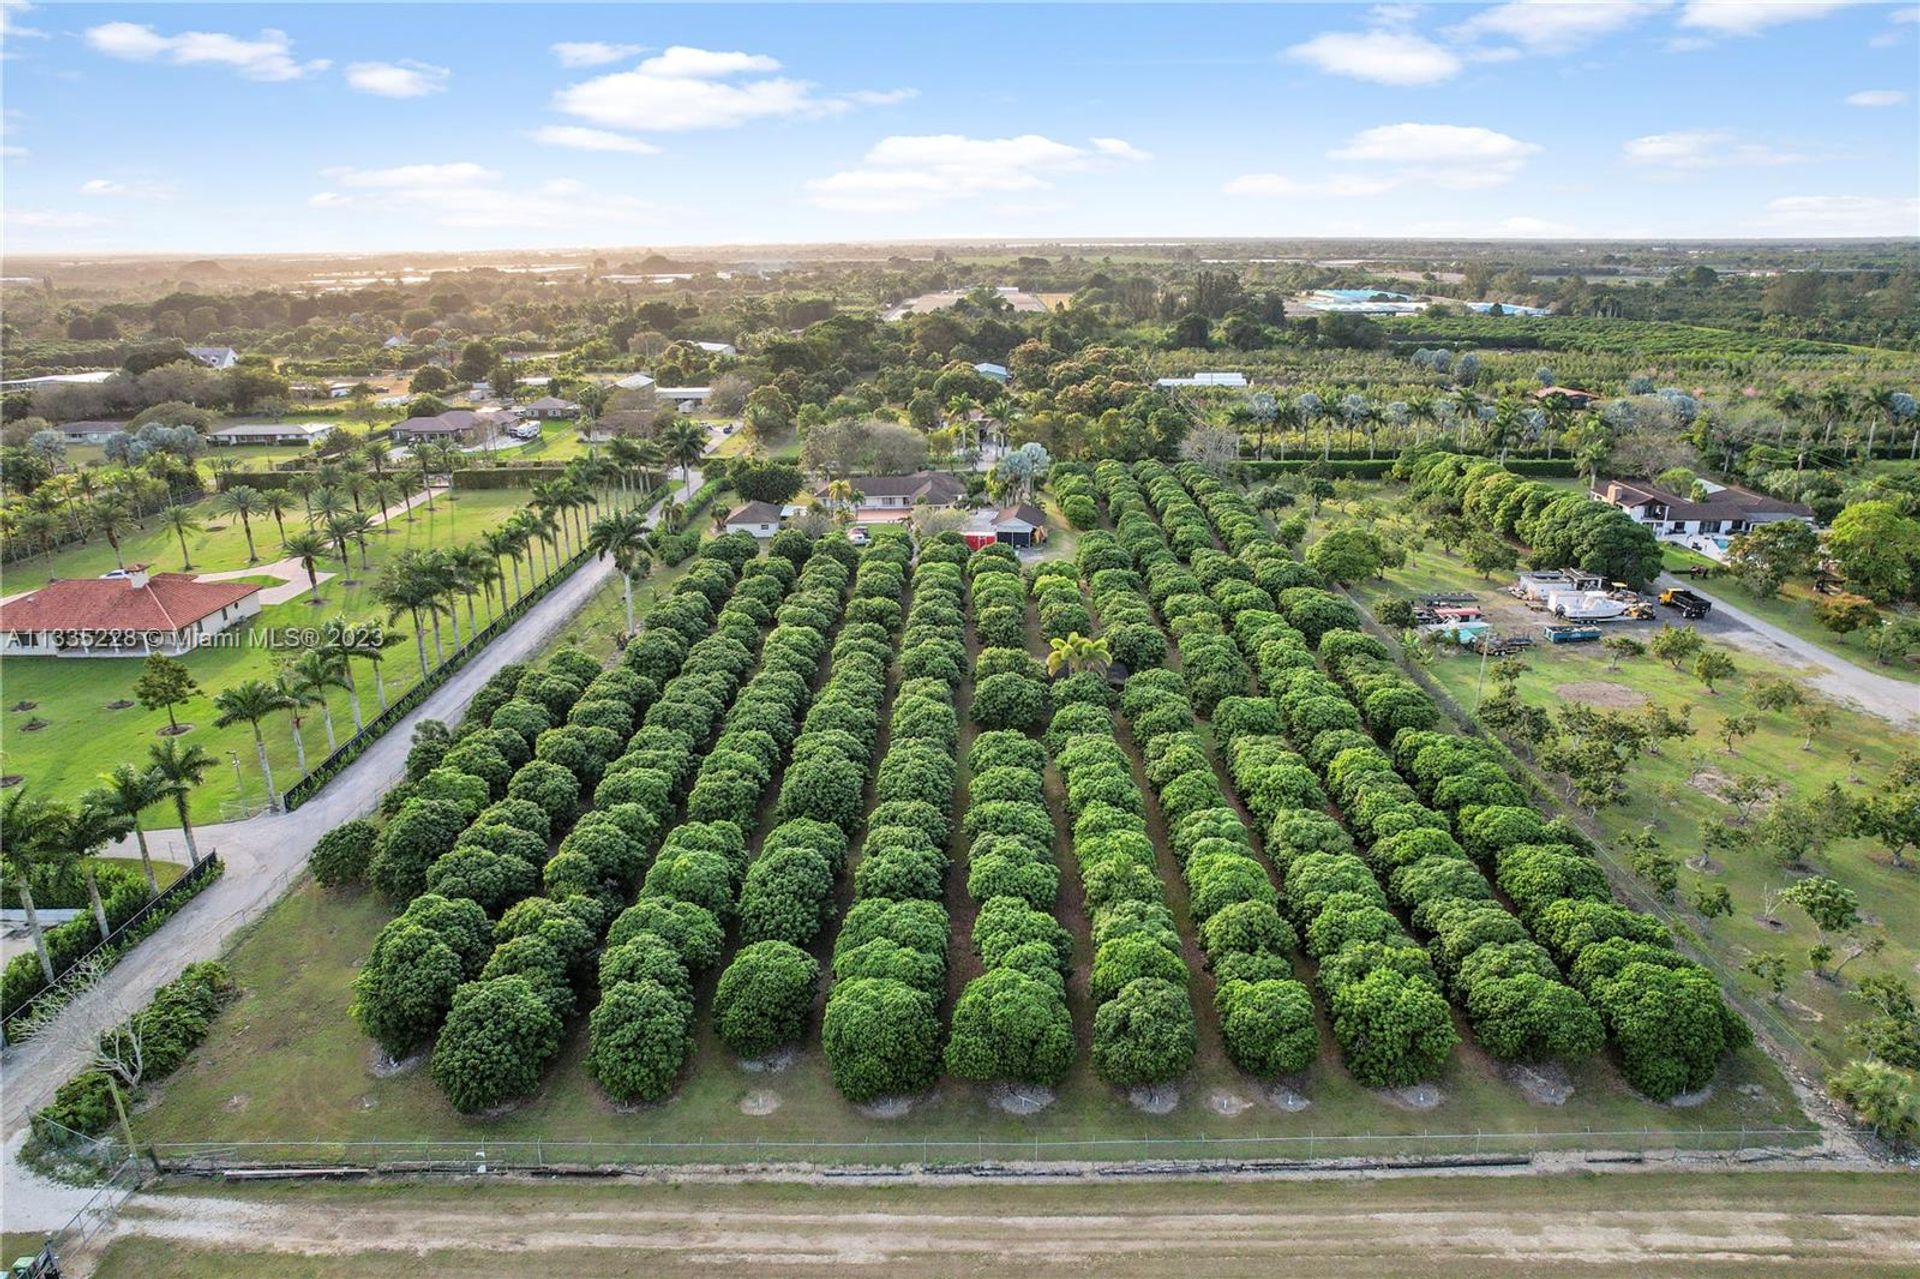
<point x="33" y="839"/>
<point x="387" y="493"/>
<point x="242" y="500"/>
<point x="132" y="792"/>
<point x="843" y="497"/>
<point x="277" y="502"/>
<point x="684" y="443"/>
<point x="307" y="548"/>
<point x="252" y="701"/>
<point x="482" y="567"/>
<point x="97" y="822"/>
<point x="507" y="540"/>
<point x="545" y="527"/>
<point x="326" y="505"/>
<point x="310" y="677"/>
<point x="403" y="588"/>
<point x="180" y="768"/>
<point x="358" y="525"/>
<point x="625" y="537"/>
<point x="466" y="566"/>
<point x="182" y="521"/>
<point x="1078" y="653"/>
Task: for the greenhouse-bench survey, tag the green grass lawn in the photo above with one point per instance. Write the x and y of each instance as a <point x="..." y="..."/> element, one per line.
<point x="84" y="736"/>
<point x="286" y="1063"/>
<point x="1662" y="796"/>
<point x="1792" y="611"/>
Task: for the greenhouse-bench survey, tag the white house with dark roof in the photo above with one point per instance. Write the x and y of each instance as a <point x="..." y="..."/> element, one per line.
<point x="91" y="432"/>
<point x="458" y="426"/>
<point x="1724" y="510"/>
<point x="900" y="492"/>
<point x="685" y="398"/>
<point x="1233" y="380"/>
<point x="994" y="372"/>
<point x="271" y="433"/>
<point x="548" y="406"/>
<point x="762" y="519"/>
<point x="215" y="357"/>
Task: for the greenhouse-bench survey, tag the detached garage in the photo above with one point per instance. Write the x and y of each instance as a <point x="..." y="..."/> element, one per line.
<point x="1019" y="526"/>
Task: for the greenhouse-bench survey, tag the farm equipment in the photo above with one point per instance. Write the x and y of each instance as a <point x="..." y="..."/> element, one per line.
<point x="1572" y="634"/>
<point x="39" y="1265"/>
<point x="1691" y="606"/>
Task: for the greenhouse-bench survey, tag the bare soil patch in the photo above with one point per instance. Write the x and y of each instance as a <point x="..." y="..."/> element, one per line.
<point x="237" y="1103"/>
<point x="119" y="704"/>
<point x="11" y="780"/>
<point x="34" y="725"/>
<point x="1286" y="1098"/>
<point x="1602" y="694"/>
<point x="893" y="1107"/>
<point x="760" y="1102"/>
<point x="1542" y="1083"/>
<point x="382" y="1066"/>
<point x="1688" y="1100"/>
<point x="1021" y="1099"/>
<point x="771" y="1064"/>
<point x="1417" y="1097"/>
<point x="1155" y="1099"/>
<point x="1222" y="1102"/>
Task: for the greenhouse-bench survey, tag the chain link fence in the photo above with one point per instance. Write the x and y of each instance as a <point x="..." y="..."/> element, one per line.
<point x="544" y="1155"/>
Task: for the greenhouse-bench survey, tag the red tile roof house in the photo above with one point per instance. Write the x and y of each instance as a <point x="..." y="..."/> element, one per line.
<point x="132" y="616"/>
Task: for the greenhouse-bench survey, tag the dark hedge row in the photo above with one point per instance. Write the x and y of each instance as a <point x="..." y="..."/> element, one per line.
<point x="881" y="1029"/>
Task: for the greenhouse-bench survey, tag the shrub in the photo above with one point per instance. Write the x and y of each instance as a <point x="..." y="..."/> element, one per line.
<point x="1247" y="927"/>
<point x="552" y="787"/>
<point x="693" y="931"/>
<point x="881" y="1037"/>
<point x="499" y="1036"/>
<point x="341" y="855"/>
<point x="492" y="880"/>
<point x="1145" y="1034"/>
<point x="419" y="833"/>
<point x="764" y="997"/>
<point x="1010" y="1026"/>
<point x="1268" y="1026"/>
<point x="1123" y="960"/>
<point x="1009" y="701"/>
<point x="640" y="1035"/>
<point x="1393" y="1030"/>
<point x="646" y="958"/>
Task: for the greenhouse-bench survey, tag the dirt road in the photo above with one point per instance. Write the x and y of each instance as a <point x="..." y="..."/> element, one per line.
<point x="1651" y="1224"/>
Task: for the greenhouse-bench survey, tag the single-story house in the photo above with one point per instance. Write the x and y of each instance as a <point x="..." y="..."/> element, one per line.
<point x="685" y="398"/>
<point x="1019" y="526"/>
<point x="132" y="616"/>
<point x="340" y="390"/>
<point x="548" y="406"/>
<point x="762" y="519"/>
<point x="994" y="372"/>
<point x="394" y="343"/>
<point x="461" y="426"/>
<point x="215" y="357"/>
<point x="1573" y="395"/>
<point x="1203" y="379"/>
<point x="90" y="432"/>
<point x="718" y="348"/>
<point x="635" y="382"/>
<point x="1724" y="510"/>
<point x="897" y="492"/>
<point x="271" y="433"/>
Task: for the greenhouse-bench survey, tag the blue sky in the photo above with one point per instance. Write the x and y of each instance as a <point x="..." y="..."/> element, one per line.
<point x="347" y="127"/>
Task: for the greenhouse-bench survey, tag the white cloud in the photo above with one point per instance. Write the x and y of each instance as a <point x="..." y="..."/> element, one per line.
<point x="1554" y="26"/>
<point x="1843" y="215"/>
<point x="684" y="88"/>
<point x="579" y="138"/>
<point x="1749" y="17"/>
<point x="1702" y="149"/>
<point x="1424" y="156"/>
<point x="880" y="97"/>
<point x="1384" y="57"/>
<point x="52" y="219"/>
<point x="10" y="28"/>
<point x="592" y="53"/>
<point x="268" y="57"/>
<point x="108" y="187"/>
<point x="1877" y="98"/>
<point x="403" y="79"/>
<point x="465" y="194"/>
<point x="1906" y="17"/>
<point x="901" y="174"/>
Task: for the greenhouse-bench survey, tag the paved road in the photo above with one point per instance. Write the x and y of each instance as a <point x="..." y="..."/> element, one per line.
<point x="1838" y="678"/>
<point x="263" y="856"/>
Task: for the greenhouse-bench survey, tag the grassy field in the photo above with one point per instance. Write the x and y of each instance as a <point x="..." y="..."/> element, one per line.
<point x="1674" y="793"/>
<point x="84" y="736"/>
<point x="1610" y="1226"/>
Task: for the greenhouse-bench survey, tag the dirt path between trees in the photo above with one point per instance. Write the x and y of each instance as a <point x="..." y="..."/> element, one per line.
<point x="1610" y="1225"/>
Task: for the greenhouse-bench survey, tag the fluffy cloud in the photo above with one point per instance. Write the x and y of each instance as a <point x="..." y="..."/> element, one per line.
<point x="10" y="28"/>
<point x="683" y="88"/>
<point x="1449" y="156"/>
<point x="465" y="194"/>
<point x="1843" y="215"/>
<point x="107" y="187"/>
<point x="1703" y="149"/>
<point x="592" y="53"/>
<point x="1384" y="57"/>
<point x="902" y="174"/>
<point x="1554" y="26"/>
<point x="580" y="138"/>
<point x="1747" y="17"/>
<point x="402" y="79"/>
<point x="1877" y="98"/>
<point x="268" y="57"/>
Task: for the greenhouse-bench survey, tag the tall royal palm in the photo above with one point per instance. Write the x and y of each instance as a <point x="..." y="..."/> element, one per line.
<point x="311" y="677"/>
<point x="277" y="502"/>
<point x="504" y="542"/>
<point x="180" y="768"/>
<point x="623" y="536"/>
<point x="308" y="547"/>
<point x="112" y="515"/>
<point x="245" y="501"/>
<point x="684" y="444"/>
<point x="33" y="840"/>
<point x="182" y="521"/>
<point x="343" y="642"/>
<point x="403" y="588"/>
<point x="251" y="702"/>
<point x="132" y="791"/>
<point x="97" y="822"/>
